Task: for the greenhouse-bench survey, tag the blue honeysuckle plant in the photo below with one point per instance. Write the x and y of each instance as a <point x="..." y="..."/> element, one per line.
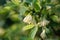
<point x="29" y="19"/>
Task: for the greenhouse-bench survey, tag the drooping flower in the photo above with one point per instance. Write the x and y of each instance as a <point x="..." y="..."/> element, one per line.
<point x="29" y="19"/>
<point x="44" y="22"/>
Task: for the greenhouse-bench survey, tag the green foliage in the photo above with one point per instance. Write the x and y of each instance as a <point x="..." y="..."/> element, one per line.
<point x="28" y="27"/>
<point x="33" y="32"/>
<point x="29" y="19"/>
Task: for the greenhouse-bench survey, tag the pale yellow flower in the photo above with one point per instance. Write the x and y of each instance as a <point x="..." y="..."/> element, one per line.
<point x="44" y="22"/>
<point x="29" y="19"/>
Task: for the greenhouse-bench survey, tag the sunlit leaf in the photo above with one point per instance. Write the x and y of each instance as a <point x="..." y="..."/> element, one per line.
<point x="14" y="17"/>
<point x="16" y="2"/>
<point x="55" y="18"/>
<point x="28" y="27"/>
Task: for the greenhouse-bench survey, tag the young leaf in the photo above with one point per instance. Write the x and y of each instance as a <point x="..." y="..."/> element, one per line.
<point x="28" y="27"/>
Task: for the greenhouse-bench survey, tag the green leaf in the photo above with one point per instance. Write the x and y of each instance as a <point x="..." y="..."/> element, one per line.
<point x="36" y="7"/>
<point x="34" y="1"/>
<point x="28" y="27"/>
<point x="33" y="32"/>
<point x="55" y="18"/>
<point x="14" y="17"/>
<point x="47" y="30"/>
<point x="14" y="27"/>
<point x="23" y="9"/>
<point x="28" y="1"/>
<point x="16" y="2"/>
